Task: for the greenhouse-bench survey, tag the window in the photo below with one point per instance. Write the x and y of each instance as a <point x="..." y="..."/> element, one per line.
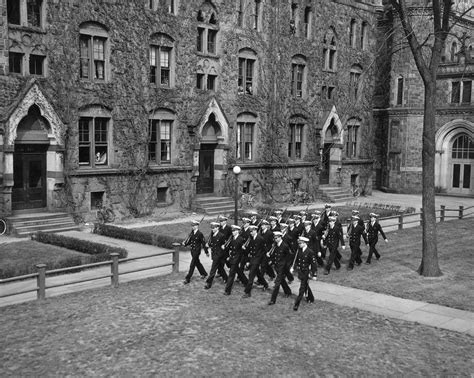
<point x="454" y="52"/>
<point x="246" y="185"/>
<point x="331" y="91"/>
<point x="329" y="50"/>
<point x="298" y="76"/>
<point x="25" y="12"/>
<point x="463" y="147"/>
<point x="256" y="14"/>
<point x="308" y="17"/>
<point x="354" y="80"/>
<point x="200" y="81"/>
<point x="206" y="77"/>
<point x="461" y="92"/>
<point x="162" y="60"/>
<point x="15" y="62"/>
<point x="161" y="195"/>
<point x="211" y="82"/>
<point x="295" y="139"/>
<point x="36" y="65"/>
<point x="240" y="12"/>
<point x="294" y="21"/>
<point x="351" y="140"/>
<point x="245" y="136"/>
<point x="93" y="141"/>
<point x="169" y="5"/>
<point x="97" y="199"/>
<point x="206" y="39"/>
<point x="363" y="36"/>
<point x="160" y="132"/>
<point x="93" y="52"/>
<point x="400" y="91"/>
<point x="247" y="63"/>
<point x="352" y="33"/>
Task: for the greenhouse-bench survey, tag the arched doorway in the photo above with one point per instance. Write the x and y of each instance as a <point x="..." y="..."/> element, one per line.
<point x="29" y="162"/>
<point x="210" y="133"/>
<point x="461" y="165"/>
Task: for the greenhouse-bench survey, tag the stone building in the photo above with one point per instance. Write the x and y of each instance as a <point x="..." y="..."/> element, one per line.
<point x="399" y="113"/>
<point x="146" y="104"/>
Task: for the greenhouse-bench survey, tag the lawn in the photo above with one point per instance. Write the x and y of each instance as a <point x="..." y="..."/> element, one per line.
<point x="395" y="273"/>
<point x="160" y="327"/>
<point x="20" y="257"/>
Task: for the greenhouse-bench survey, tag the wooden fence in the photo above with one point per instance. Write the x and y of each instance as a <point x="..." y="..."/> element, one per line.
<point x="114" y="263"/>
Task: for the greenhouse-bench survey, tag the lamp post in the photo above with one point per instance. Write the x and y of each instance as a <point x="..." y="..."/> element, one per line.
<point x="236" y="171"/>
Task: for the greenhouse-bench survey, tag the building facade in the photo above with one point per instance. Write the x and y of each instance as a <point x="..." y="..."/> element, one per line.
<point x="399" y="106"/>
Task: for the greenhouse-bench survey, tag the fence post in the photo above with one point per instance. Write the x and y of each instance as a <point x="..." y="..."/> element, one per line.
<point x="461" y="212"/>
<point x="41" y="280"/>
<point x="441" y="214"/>
<point x="176" y="261"/>
<point x="400" y="222"/>
<point x="114" y="269"/>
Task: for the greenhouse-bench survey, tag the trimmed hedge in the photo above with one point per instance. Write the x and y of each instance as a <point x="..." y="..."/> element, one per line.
<point x="101" y="252"/>
<point x="163" y="241"/>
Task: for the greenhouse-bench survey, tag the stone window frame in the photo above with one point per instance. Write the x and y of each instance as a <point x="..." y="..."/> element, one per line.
<point x="25" y="61"/>
<point x="461" y="92"/>
<point x="171" y="5"/>
<point x="453" y="52"/>
<point x="155" y="121"/>
<point x="257" y="11"/>
<point x="400" y="87"/>
<point x="308" y="22"/>
<point x="91" y="32"/>
<point x="352" y="33"/>
<point x="352" y="139"/>
<point x="16" y="56"/>
<point x="207" y="41"/>
<point x="299" y="76"/>
<point x="330" y="50"/>
<point x="296" y="137"/>
<point x="364" y="35"/>
<point x="328" y="92"/>
<point x="24" y="13"/>
<point x="91" y="114"/>
<point x="247" y="84"/>
<point x="162" y="42"/>
<point x="355" y="75"/>
<point x="245" y="137"/>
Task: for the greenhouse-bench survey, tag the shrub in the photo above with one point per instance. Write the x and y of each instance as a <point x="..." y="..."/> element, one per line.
<point x="163" y="241"/>
<point x="101" y="252"/>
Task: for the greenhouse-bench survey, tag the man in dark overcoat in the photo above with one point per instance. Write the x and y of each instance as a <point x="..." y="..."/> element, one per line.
<point x="196" y="240"/>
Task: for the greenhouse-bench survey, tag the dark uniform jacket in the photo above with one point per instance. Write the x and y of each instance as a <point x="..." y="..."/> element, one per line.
<point x="325" y="218"/>
<point x="299" y="228"/>
<point x="306" y="262"/>
<point x="355" y="233"/>
<point x="373" y="232"/>
<point x="215" y="243"/>
<point x="319" y="229"/>
<point x="226" y="230"/>
<point x="235" y="250"/>
<point x="280" y="254"/>
<point x="196" y="241"/>
<point x="255" y="248"/>
<point x="333" y="237"/>
<point x="292" y="238"/>
<point x="276" y="228"/>
<point x="313" y="239"/>
<point x="268" y="240"/>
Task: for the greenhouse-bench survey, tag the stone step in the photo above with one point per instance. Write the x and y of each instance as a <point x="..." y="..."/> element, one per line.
<point x="29" y="231"/>
<point x="27" y="224"/>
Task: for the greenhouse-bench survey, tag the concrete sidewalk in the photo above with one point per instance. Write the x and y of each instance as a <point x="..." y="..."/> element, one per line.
<point x="386" y="305"/>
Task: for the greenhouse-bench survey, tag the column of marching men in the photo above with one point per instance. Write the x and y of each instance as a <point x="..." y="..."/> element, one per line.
<point x="278" y="248"/>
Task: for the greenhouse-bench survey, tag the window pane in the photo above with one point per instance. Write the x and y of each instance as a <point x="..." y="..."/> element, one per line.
<point x="239" y="140"/>
<point x="466" y="91"/>
<point x="152" y="144"/>
<point x="455" y="93"/>
<point x="199" y="38"/>
<point x="13" y="11"/>
<point x="36" y="64"/>
<point x="33" y="9"/>
<point x="165" y="141"/>
<point x="165" y="67"/>
<point x="84" y="141"/>
<point x="15" y="62"/>
<point x="84" y="51"/>
<point x="211" y="41"/>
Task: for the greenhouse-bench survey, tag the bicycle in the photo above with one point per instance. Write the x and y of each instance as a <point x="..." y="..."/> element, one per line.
<point x="247" y="200"/>
<point x="302" y="197"/>
<point x="3" y="226"/>
<point x="105" y="214"/>
<point x="355" y="190"/>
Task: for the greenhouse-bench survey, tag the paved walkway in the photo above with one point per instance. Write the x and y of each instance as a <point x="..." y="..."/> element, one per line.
<point x="386" y="305"/>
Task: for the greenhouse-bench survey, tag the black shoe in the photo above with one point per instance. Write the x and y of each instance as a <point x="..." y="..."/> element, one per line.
<point x="338" y="267"/>
<point x="186" y="281"/>
<point x="290" y="282"/>
<point x="226" y="293"/>
<point x="377" y="257"/>
<point x="207" y="286"/>
<point x="326" y="272"/>
<point x="246" y="295"/>
<point x="287" y="295"/>
<point x="367" y="262"/>
<point x="295" y="308"/>
<point x="203" y="276"/>
<point x="309" y="300"/>
<point x="265" y="288"/>
<point x="271" y="303"/>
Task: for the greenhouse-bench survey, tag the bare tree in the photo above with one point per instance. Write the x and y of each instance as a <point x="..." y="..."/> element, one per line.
<point x="427" y="48"/>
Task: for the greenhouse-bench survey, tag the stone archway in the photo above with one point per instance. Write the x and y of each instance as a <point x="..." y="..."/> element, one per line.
<point x="451" y="167"/>
<point x="33" y="150"/>
<point x="331" y="148"/>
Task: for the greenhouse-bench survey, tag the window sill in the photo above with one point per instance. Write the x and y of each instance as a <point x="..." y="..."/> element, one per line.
<point x="207" y="55"/>
<point x="27" y="28"/>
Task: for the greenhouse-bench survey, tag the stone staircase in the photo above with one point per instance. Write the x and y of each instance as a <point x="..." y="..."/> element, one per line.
<point x="23" y="225"/>
<point x="213" y="205"/>
<point x="335" y="194"/>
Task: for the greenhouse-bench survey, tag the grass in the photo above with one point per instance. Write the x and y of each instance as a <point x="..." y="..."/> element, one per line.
<point x="22" y="256"/>
<point x="395" y="273"/>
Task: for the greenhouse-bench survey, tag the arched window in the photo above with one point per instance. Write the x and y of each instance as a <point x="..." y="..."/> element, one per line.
<point x="95" y="137"/>
<point x="463" y="147"/>
<point x="298" y="76"/>
<point x="94" y="51"/>
<point x="354" y="80"/>
<point x="329" y="50"/>
<point x="296" y="135"/>
<point x="206" y="41"/>
<point x="247" y="69"/>
<point x="162" y="60"/>
<point x="308" y="18"/>
<point x="245" y="136"/>
<point x="160" y="136"/>
<point x="363" y="35"/>
<point x="352" y="33"/>
<point x="400" y="88"/>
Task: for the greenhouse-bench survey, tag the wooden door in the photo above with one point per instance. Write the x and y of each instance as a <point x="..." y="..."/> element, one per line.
<point x="205" y="181"/>
<point x="462" y="179"/>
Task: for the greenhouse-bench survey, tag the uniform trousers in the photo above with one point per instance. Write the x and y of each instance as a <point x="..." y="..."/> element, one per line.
<point x="235" y="270"/>
<point x="372" y="251"/>
<point x="195" y="263"/>
<point x="255" y="272"/>
<point x="304" y="288"/>
<point x="333" y="253"/>
<point x="217" y="266"/>
<point x="280" y="281"/>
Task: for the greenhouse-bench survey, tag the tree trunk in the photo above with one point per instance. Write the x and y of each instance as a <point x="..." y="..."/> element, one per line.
<point x="429" y="266"/>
